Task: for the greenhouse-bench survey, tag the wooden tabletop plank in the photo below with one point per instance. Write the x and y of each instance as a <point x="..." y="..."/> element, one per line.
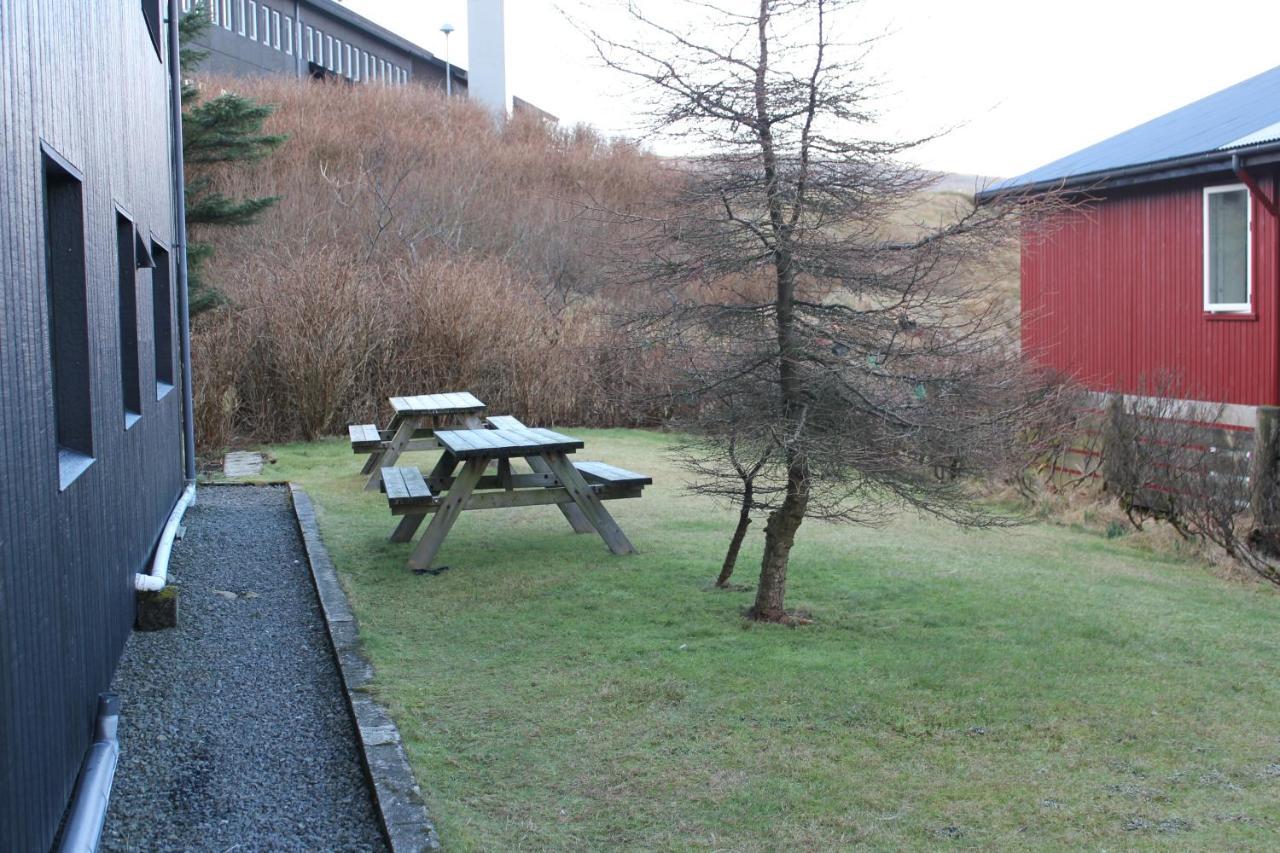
<point x="558" y="438"/>
<point x="502" y="443"/>
<point x="504" y="422"/>
<point x="483" y="438"/>
<point x="464" y="439"/>
<point x="450" y="403"/>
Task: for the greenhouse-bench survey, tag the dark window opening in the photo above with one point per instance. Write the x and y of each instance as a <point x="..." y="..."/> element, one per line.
<point x="319" y="72"/>
<point x="151" y="14"/>
<point x="127" y="263"/>
<point x="68" y="304"/>
<point x="162" y="318"/>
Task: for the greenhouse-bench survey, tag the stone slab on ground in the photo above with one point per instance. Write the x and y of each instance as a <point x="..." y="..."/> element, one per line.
<point x="242" y="463"/>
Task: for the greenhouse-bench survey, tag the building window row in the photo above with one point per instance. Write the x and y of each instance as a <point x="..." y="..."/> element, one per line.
<point x="322" y="50"/>
<point x="325" y="52"/>
<point x="330" y="54"/>
<point x="68" y="300"/>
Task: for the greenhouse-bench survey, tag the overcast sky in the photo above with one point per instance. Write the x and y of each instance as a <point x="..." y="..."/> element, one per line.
<point x="1022" y="81"/>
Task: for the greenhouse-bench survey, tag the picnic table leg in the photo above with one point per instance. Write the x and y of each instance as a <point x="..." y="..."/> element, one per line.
<point x="572" y="514"/>
<point x="409" y="524"/>
<point x="374" y="462"/>
<point x="404" y="432"/>
<point x="589" y="502"/>
<point x="447" y="514"/>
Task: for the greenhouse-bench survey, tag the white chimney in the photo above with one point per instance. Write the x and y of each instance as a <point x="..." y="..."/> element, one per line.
<point x="487" y="55"/>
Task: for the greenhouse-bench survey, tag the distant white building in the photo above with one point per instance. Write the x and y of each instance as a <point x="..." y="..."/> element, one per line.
<point x="487" y="53"/>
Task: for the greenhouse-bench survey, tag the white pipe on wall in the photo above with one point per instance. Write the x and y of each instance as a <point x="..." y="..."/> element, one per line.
<point x="159" y="574"/>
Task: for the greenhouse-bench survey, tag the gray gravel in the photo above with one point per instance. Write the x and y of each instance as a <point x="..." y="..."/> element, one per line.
<point x="234" y="733"/>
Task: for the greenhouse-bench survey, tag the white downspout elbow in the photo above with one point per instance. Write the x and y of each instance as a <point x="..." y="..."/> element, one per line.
<point x="159" y="575"/>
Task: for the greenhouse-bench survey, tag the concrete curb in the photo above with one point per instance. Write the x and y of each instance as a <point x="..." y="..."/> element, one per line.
<point x="397" y="796"/>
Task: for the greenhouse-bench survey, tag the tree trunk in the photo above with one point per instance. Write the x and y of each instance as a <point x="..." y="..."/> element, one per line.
<point x="779" y="536"/>
<point x="780" y="529"/>
<point x="739" y="533"/>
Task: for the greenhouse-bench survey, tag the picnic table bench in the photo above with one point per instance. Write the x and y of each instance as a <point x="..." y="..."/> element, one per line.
<point x="578" y="489"/>
<point x="413" y="423"/>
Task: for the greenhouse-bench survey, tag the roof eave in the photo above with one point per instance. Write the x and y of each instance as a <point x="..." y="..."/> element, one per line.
<point x="1144" y="173"/>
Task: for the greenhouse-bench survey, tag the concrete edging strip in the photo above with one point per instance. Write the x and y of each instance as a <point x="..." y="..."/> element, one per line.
<point x="397" y="796"/>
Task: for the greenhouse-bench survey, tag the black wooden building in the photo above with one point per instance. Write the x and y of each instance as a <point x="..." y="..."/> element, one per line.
<point x="91" y="392"/>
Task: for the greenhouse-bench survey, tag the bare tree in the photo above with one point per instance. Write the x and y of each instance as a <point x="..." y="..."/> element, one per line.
<point x="727" y="453"/>
<point x="864" y="360"/>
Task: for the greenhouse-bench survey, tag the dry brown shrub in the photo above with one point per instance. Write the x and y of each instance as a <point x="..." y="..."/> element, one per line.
<point x="418" y="246"/>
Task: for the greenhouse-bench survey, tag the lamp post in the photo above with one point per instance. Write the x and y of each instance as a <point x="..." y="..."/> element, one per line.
<point x="448" y="69"/>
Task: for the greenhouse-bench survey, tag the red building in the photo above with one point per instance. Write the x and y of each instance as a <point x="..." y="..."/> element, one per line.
<point x="1168" y="273"/>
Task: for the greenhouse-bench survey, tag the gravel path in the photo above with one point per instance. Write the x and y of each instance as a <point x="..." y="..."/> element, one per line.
<point x="234" y="733"/>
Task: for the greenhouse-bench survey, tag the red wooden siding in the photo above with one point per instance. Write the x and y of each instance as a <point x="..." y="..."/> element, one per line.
<point x="1112" y="294"/>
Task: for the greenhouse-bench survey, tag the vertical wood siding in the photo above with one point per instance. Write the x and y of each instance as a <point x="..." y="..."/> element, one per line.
<point x="83" y="76"/>
<point x="1113" y="295"/>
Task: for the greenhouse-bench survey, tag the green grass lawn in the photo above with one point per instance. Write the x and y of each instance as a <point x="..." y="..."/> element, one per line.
<point x="1041" y="686"/>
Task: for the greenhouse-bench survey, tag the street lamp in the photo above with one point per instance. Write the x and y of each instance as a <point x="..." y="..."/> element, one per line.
<point x="448" y="69"/>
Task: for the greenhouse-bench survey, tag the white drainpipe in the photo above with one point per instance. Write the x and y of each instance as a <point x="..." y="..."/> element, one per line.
<point x="159" y="575"/>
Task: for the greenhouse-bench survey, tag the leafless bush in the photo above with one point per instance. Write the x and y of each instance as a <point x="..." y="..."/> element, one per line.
<point x="1169" y="460"/>
<point x="418" y="246"/>
<point x="311" y="343"/>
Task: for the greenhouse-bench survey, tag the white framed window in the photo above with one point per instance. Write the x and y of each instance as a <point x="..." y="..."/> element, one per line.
<point x="337" y="43"/>
<point x="215" y="9"/>
<point x="275" y="30"/>
<point x="288" y="40"/>
<point x="382" y="70"/>
<point x="1228" y="249"/>
<point x="186" y="5"/>
<point x="311" y="54"/>
<point x="355" y="69"/>
<point x="328" y="49"/>
<point x="244" y="17"/>
<point x="366" y="66"/>
<point x="266" y="25"/>
<point x="348" y="65"/>
<point x="253" y="21"/>
<point x="226" y="14"/>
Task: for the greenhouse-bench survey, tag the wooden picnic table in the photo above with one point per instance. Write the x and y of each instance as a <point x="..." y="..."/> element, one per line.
<point x="447" y="491"/>
<point x="414" y="421"/>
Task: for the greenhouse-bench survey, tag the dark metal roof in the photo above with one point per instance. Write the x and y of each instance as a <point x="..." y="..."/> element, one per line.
<point x="1234" y="120"/>
<point x="337" y="10"/>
